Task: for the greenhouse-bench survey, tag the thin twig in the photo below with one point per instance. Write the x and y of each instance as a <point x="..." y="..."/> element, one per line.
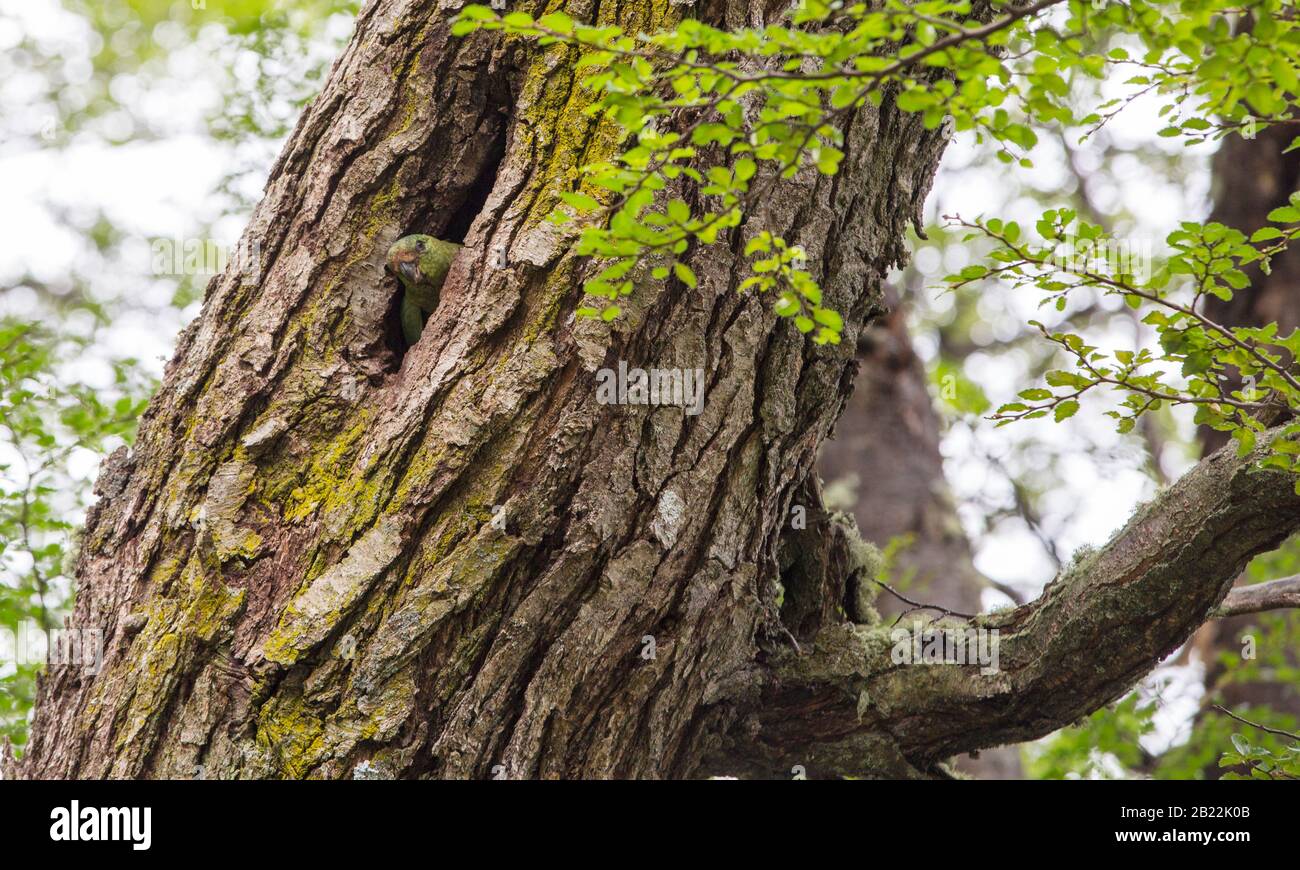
<point x="1244" y="721"/>
<point x="917" y="605"/>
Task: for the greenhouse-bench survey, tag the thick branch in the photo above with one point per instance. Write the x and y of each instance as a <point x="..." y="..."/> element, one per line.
<point x="1107" y="620"/>
<point x="1273" y="595"/>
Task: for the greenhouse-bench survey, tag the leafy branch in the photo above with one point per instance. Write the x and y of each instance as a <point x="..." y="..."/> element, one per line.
<point x="1262" y="762"/>
<point x="1239" y="379"/>
<point x="734" y="112"/>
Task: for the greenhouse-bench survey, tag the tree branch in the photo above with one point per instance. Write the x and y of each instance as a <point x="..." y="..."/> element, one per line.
<point x="1243" y="720"/>
<point x="1107" y="619"/>
<point x="1273" y="595"/>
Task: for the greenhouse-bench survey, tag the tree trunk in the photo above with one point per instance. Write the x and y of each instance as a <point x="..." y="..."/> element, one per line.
<point x="323" y="560"/>
<point x="1251" y="178"/>
<point x="297" y="569"/>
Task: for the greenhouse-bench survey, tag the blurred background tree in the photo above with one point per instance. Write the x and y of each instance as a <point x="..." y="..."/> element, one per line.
<point x="979" y="519"/>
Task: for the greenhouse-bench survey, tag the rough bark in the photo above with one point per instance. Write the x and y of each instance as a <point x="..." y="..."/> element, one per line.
<point x="297" y="571"/>
<point x="296" y="568"/>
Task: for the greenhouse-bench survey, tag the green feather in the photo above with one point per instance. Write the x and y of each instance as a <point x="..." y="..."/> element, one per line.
<point x="412" y="320"/>
<point x="432" y="258"/>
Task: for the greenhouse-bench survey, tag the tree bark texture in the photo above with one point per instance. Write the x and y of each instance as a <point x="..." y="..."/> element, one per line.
<point x="326" y="559"/>
<point x="296" y="568"/>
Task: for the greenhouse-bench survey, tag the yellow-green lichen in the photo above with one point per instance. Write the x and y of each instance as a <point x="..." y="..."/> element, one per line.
<point x="316" y="611"/>
<point x="292" y="733"/>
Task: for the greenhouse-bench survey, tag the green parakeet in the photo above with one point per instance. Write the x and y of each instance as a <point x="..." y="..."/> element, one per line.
<point x="421" y="264"/>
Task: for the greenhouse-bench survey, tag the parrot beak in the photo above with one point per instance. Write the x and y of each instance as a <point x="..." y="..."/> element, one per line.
<point x="409" y="270"/>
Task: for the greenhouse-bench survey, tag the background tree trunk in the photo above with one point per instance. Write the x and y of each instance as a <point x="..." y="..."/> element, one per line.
<point x="297" y="571"/>
<point x="1251" y="178"/>
<point x="888" y="438"/>
<point x="887" y="444"/>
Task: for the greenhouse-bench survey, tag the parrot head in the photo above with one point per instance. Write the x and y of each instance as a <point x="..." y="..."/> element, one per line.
<point x="421" y="262"/>
<point x="405" y="255"/>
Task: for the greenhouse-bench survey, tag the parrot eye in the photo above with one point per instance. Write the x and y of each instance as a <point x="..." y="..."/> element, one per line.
<point x="419" y="246"/>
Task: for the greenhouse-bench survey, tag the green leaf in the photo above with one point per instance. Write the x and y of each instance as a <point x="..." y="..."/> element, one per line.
<point x="580" y="201"/>
<point x="685" y="274"/>
<point x="1065" y="410"/>
<point x="828" y="318"/>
